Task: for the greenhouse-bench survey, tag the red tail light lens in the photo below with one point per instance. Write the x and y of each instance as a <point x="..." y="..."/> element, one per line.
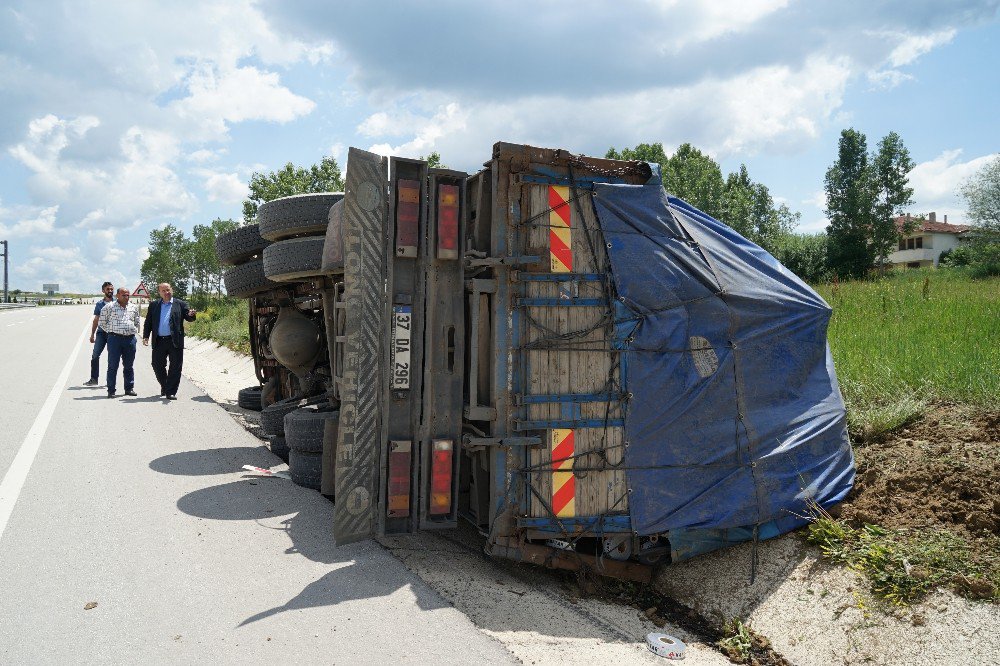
<point x="447" y="222"/>
<point x="441" y="454"/>
<point x="399" y="479"/>
<point x="407" y="217"/>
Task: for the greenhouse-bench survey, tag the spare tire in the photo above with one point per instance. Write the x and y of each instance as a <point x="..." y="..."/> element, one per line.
<point x="236" y="246"/>
<point x="306" y="428"/>
<point x="272" y="417"/>
<point x="306" y="469"/>
<point x="298" y="215"/>
<point x="249" y="398"/>
<point x="294" y="259"/>
<point x="278" y="446"/>
<point x="247" y="279"/>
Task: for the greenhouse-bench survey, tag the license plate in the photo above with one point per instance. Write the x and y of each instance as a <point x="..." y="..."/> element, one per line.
<point x="402" y="329"/>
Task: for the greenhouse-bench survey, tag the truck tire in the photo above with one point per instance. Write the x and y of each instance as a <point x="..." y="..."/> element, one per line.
<point x="294" y="259"/>
<point x="236" y="246"/>
<point x="247" y="279"/>
<point x="306" y="427"/>
<point x="305" y="468"/>
<point x="298" y="215"/>
<point x="272" y="417"/>
<point x="249" y="398"/>
<point x="279" y="446"/>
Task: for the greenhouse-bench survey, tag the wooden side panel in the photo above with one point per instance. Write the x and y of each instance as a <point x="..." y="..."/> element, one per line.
<point x="582" y="363"/>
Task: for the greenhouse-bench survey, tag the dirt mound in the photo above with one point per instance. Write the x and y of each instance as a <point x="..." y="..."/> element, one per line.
<point x="939" y="472"/>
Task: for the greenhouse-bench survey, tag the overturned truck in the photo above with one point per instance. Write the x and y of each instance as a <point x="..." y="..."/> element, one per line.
<point x="592" y="372"/>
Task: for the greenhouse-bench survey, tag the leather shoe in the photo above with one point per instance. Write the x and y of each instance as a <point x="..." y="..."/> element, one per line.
<point x="112" y="395"/>
<point x="131" y="392"/>
<point x="171" y="397"/>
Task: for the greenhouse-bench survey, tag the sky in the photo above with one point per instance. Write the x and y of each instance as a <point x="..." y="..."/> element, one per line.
<point x="118" y="118"/>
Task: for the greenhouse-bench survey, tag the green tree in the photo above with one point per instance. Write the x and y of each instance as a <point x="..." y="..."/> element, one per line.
<point x="981" y="193"/>
<point x="749" y="209"/>
<point x="434" y="161"/>
<point x="322" y="177"/>
<point x="864" y="193"/>
<point x="890" y="167"/>
<point x="688" y="174"/>
<point x="168" y="260"/>
<point x="848" y="206"/>
<point x="804" y="255"/>
<point x="205" y="268"/>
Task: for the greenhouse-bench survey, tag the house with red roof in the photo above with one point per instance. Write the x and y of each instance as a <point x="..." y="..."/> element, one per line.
<point x="925" y="243"/>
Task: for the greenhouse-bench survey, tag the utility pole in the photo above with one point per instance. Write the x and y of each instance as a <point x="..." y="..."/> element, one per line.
<point x="6" y="251"/>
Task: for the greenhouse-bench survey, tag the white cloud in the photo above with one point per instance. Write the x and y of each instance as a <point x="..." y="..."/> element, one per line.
<point x="225" y="187"/>
<point x="908" y="48"/>
<point x="222" y="96"/>
<point x="818" y="199"/>
<point x="936" y="182"/>
<point x="139" y="185"/>
<point x="204" y="155"/>
<point x="27" y="221"/>
<point x="448" y="119"/>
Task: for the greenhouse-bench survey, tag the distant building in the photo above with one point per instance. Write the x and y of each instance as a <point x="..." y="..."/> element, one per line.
<point x="924" y="245"/>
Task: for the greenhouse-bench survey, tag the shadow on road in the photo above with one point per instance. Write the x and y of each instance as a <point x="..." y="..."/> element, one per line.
<point x="362" y="572"/>
<point x="214" y="461"/>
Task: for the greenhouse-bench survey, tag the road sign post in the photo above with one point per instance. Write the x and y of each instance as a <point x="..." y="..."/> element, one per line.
<point x="6" y="251"/>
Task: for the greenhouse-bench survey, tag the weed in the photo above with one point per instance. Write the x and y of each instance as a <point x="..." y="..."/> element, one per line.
<point x="737" y="641"/>
<point x="903" y="565"/>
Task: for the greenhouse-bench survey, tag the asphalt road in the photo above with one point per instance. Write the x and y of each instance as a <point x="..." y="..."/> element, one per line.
<point x="139" y="505"/>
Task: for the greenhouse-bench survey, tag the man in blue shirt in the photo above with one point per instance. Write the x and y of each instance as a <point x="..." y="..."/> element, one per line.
<point x="98" y="336"/>
<point x="166" y="318"/>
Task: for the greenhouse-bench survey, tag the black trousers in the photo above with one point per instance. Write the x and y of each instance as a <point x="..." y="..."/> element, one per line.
<point x="169" y="377"/>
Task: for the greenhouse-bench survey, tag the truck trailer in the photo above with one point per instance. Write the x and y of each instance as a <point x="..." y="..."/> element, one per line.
<point x="592" y="372"/>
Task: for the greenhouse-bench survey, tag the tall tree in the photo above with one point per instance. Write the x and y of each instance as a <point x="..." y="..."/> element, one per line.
<point x="322" y="177"/>
<point x="982" y="197"/>
<point x="168" y="260"/>
<point x="204" y="264"/>
<point x="848" y="206"/>
<point x="864" y="193"/>
<point x="890" y="167"/>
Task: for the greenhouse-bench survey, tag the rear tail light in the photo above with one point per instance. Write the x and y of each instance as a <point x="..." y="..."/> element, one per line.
<point x="441" y="454"/>
<point x="447" y="222"/>
<point x="407" y="217"/>
<point x="399" y="479"/>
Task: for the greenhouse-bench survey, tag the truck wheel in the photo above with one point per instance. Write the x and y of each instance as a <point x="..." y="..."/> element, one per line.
<point x="279" y="446"/>
<point x="247" y="279"/>
<point x="306" y="427"/>
<point x="305" y="468"/>
<point x="272" y="417"/>
<point x="298" y="215"/>
<point x="238" y="245"/>
<point x="249" y="398"/>
<point x="294" y="259"/>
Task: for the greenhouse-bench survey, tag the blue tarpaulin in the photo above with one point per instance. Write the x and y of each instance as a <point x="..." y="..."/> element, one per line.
<point x="735" y="418"/>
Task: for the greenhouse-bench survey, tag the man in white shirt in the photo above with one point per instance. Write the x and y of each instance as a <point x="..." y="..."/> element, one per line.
<point x="120" y="320"/>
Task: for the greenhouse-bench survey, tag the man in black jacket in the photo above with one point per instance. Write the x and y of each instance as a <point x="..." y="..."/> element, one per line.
<point x="165" y="321"/>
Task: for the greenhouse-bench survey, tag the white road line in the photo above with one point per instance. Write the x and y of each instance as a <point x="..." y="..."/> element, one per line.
<point x="13" y="480"/>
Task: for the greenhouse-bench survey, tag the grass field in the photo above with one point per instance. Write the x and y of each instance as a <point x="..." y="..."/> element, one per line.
<point x="913" y="337"/>
<point x="224" y="321"/>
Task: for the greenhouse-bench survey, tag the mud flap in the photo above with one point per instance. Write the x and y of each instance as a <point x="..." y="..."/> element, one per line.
<point x="364" y="235"/>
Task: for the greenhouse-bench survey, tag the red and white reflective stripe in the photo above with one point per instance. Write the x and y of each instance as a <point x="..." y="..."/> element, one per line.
<point x="563" y="480"/>
<point x="560" y="236"/>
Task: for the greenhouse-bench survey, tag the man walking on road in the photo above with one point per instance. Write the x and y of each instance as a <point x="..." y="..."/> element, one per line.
<point x="98" y="336"/>
<point x="120" y="319"/>
<point x="165" y="320"/>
